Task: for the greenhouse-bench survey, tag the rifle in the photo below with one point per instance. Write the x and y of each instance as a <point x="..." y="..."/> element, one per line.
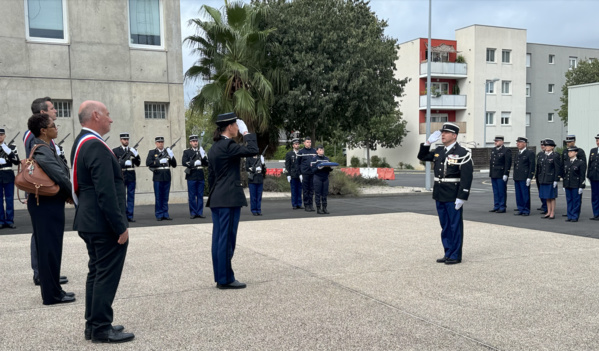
<point x="13" y="139"/>
<point x="63" y="139"/>
<point x="105" y="140"/>
<point x="192" y="161"/>
<point x="252" y="170"/>
<point x="128" y="154"/>
<point x="163" y="154"/>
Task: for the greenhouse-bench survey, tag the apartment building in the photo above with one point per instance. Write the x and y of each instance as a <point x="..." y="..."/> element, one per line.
<point x="126" y="54"/>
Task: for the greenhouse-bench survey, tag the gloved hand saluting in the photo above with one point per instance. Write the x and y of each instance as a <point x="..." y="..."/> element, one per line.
<point x="527" y="181"/>
<point x="243" y="129"/>
<point x="434" y="137"/>
<point x="459" y="203"/>
<point x="505" y="178"/>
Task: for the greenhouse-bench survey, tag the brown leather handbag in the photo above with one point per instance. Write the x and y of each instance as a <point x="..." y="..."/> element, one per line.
<point x="32" y="179"/>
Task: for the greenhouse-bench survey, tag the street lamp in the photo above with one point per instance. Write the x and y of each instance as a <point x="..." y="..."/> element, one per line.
<point x="485" y="116"/>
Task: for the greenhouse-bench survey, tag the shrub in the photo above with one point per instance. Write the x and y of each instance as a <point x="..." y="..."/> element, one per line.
<point x="400" y="165"/>
<point x="342" y="184"/>
<point x="355" y="162"/>
<point x="340" y="159"/>
<point x="276" y="184"/>
<point x="408" y="166"/>
<point x="375" y="161"/>
<point x="361" y="181"/>
<point x="281" y="152"/>
<point x="384" y="163"/>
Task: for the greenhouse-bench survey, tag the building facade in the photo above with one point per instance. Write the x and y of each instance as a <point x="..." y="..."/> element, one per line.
<point x="126" y="54"/>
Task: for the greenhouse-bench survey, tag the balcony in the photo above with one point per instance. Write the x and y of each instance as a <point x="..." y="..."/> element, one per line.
<point x="439" y="125"/>
<point x="451" y="70"/>
<point x="445" y="102"/>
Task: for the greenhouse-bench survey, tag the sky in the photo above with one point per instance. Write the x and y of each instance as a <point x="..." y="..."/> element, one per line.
<point x="557" y="22"/>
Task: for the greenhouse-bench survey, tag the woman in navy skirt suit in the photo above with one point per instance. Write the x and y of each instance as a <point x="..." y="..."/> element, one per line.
<point x="549" y="169"/>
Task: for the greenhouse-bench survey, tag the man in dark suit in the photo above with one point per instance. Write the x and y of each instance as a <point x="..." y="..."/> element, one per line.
<point x="292" y="167"/>
<point x="159" y="161"/>
<point x="226" y="193"/>
<point x="128" y="160"/>
<point x="100" y="219"/>
<point x="593" y="175"/>
<point x="8" y="158"/>
<point x="453" y="169"/>
<point x="499" y="171"/>
<point x="194" y="159"/>
<point x="524" y="170"/>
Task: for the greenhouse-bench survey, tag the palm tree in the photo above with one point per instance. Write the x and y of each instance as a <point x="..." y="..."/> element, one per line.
<point x="232" y="53"/>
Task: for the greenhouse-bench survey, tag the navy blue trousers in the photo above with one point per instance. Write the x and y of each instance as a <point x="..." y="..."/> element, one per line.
<point x="452" y="229"/>
<point x="7" y="194"/>
<point x="296" y="192"/>
<point x="225" y="221"/>
<point x="595" y="197"/>
<point x="522" y="196"/>
<point x="543" y="201"/>
<point x="256" y="197"/>
<point x="499" y="193"/>
<point x="308" y="188"/>
<point x="161" y="192"/>
<point x="573" y="200"/>
<point x="130" y="199"/>
<point x="195" y="197"/>
<point x="321" y="190"/>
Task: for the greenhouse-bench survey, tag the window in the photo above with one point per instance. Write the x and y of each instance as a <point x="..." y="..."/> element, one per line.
<point x="490" y="55"/>
<point x="437" y="56"/>
<point x="506" y="87"/>
<point x="527" y="89"/>
<point x="490" y="87"/>
<point x="550" y="117"/>
<point x="528" y="60"/>
<point x="490" y="118"/>
<point x="505" y="118"/>
<point x="551" y="59"/>
<point x="506" y="56"/>
<point x="63" y="108"/>
<point x="573" y="62"/>
<point x="550" y="88"/>
<point x="440" y="88"/>
<point x="527" y="121"/>
<point x="439" y="117"/>
<point x="46" y="20"/>
<point x="145" y="22"/>
<point x="155" y="110"/>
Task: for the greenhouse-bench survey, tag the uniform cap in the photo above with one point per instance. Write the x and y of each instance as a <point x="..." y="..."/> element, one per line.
<point x="159" y="138"/>
<point x="573" y="149"/>
<point x="124" y="135"/>
<point x="450" y="127"/>
<point x="2" y="131"/>
<point x="597" y="136"/>
<point x="522" y="139"/>
<point x="570" y="138"/>
<point x="295" y="140"/>
<point x="549" y="142"/>
<point x="225" y="119"/>
<point x="193" y="137"/>
<point x="499" y="137"/>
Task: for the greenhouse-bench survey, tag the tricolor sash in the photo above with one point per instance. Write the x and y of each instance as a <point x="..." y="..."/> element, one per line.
<point x="28" y="135"/>
<point x="75" y="185"/>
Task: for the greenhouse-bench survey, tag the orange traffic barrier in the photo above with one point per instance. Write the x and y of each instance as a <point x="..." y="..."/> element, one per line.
<point x="390" y="174"/>
<point x="381" y="172"/>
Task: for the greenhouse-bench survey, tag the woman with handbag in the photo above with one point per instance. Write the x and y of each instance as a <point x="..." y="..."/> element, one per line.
<point x="47" y="212"/>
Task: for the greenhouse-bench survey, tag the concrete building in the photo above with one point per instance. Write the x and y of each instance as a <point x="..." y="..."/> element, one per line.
<point x="545" y="77"/>
<point x="583" y="109"/>
<point x="489" y="82"/>
<point x="126" y="54"/>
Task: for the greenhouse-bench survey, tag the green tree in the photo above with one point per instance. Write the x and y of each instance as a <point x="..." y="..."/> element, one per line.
<point x="339" y="66"/>
<point x="586" y="72"/>
<point x="232" y="56"/>
<point x="197" y="122"/>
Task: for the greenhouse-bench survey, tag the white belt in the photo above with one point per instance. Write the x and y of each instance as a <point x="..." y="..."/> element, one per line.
<point x="162" y="168"/>
<point x="6" y="169"/>
<point x="128" y="169"/>
<point x="197" y="167"/>
<point x="447" y="180"/>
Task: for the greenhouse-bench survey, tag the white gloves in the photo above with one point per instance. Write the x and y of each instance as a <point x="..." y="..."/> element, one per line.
<point x="261" y="158"/>
<point x="555" y="184"/>
<point x="7" y="149"/>
<point x="505" y="178"/>
<point x="527" y="181"/>
<point x="434" y="137"/>
<point x="258" y="169"/>
<point x="197" y="163"/>
<point x="579" y="191"/>
<point x="243" y="129"/>
<point x="58" y="152"/>
<point x="288" y="179"/>
<point x="134" y="152"/>
<point x="170" y="153"/>
<point x="128" y="163"/>
<point x="202" y="152"/>
<point x="2" y="161"/>
<point x="301" y="178"/>
<point x="163" y="160"/>
<point x="320" y="167"/>
<point x="459" y="203"/>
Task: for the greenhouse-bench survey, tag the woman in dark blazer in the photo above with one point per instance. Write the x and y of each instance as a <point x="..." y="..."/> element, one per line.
<point x="549" y="169"/>
<point x="48" y="217"/>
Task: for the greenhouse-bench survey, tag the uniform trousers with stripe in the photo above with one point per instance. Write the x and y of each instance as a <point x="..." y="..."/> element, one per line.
<point x="161" y="192"/>
<point x="522" y="196"/>
<point x="195" y="197"/>
<point x="296" y="192"/>
<point x="452" y="229"/>
<point x="225" y="221"/>
<point x="499" y="193"/>
<point x="573" y="201"/>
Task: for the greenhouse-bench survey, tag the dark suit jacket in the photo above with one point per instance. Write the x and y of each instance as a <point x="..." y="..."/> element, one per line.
<point x="224" y="175"/>
<point x="101" y="189"/>
<point x="524" y="165"/>
<point x="448" y="191"/>
<point x="129" y="176"/>
<point x="500" y="162"/>
<point x="153" y="160"/>
<point x="53" y="166"/>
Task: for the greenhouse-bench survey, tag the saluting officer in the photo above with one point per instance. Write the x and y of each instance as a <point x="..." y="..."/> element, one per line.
<point x="128" y="159"/>
<point x="194" y="159"/>
<point x="575" y="171"/>
<point x="524" y="170"/>
<point x="8" y="157"/>
<point x="159" y="161"/>
<point x="593" y="175"/>
<point x="453" y="178"/>
<point x="292" y="166"/>
<point x="307" y="175"/>
<point x="543" y="207"/>
<point x="499" y="171"/>
<point x="549" y="168"/>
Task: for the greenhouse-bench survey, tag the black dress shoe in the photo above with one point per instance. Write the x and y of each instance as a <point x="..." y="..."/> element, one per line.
<point x="63" y="279"/>
<point x="294" y="208"/>
<point x="452" y="261"/>
<point x="300" y="208"/>
<point x="540" y="209"/>
<point x="574" y="220"/>
<point x="63" y="299"/>
<point x="564" y="215"/>
<point x="131" y="220"/>
<point x="552" y="217"/>
<point x="11" y="226"/>
<point x="518" y="214"/>
<point x="71" y="294"/>
<point x="441" y="260"/>
<point x="544" y="212"/>
<point x="254" y="214"/>
<point x="568" y="220"/>
<point x="113" y="336"/>
<point x="525" y="214"/>
<point x="116" y="328"/>
<point x="200" y="216"/>
<point x="259" y="214"/>
<point x="515" y="209"/>
<point x="500" y="211"/>
<point x="312" y="208"/>
<point x="158" y="219"/>
<point x="234" y="285"/>
<point x="167" y="218"/>
<point x="594" y="218"/>
<point x="494" y="210"/>
<point x="192" y="217"/>
<point x="36" y="281"/>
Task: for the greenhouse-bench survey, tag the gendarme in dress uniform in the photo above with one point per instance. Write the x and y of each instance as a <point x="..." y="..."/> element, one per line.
<point x="524" y="170"/>
<point x="499" y="171"/>
<point x="593" y="175"/>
